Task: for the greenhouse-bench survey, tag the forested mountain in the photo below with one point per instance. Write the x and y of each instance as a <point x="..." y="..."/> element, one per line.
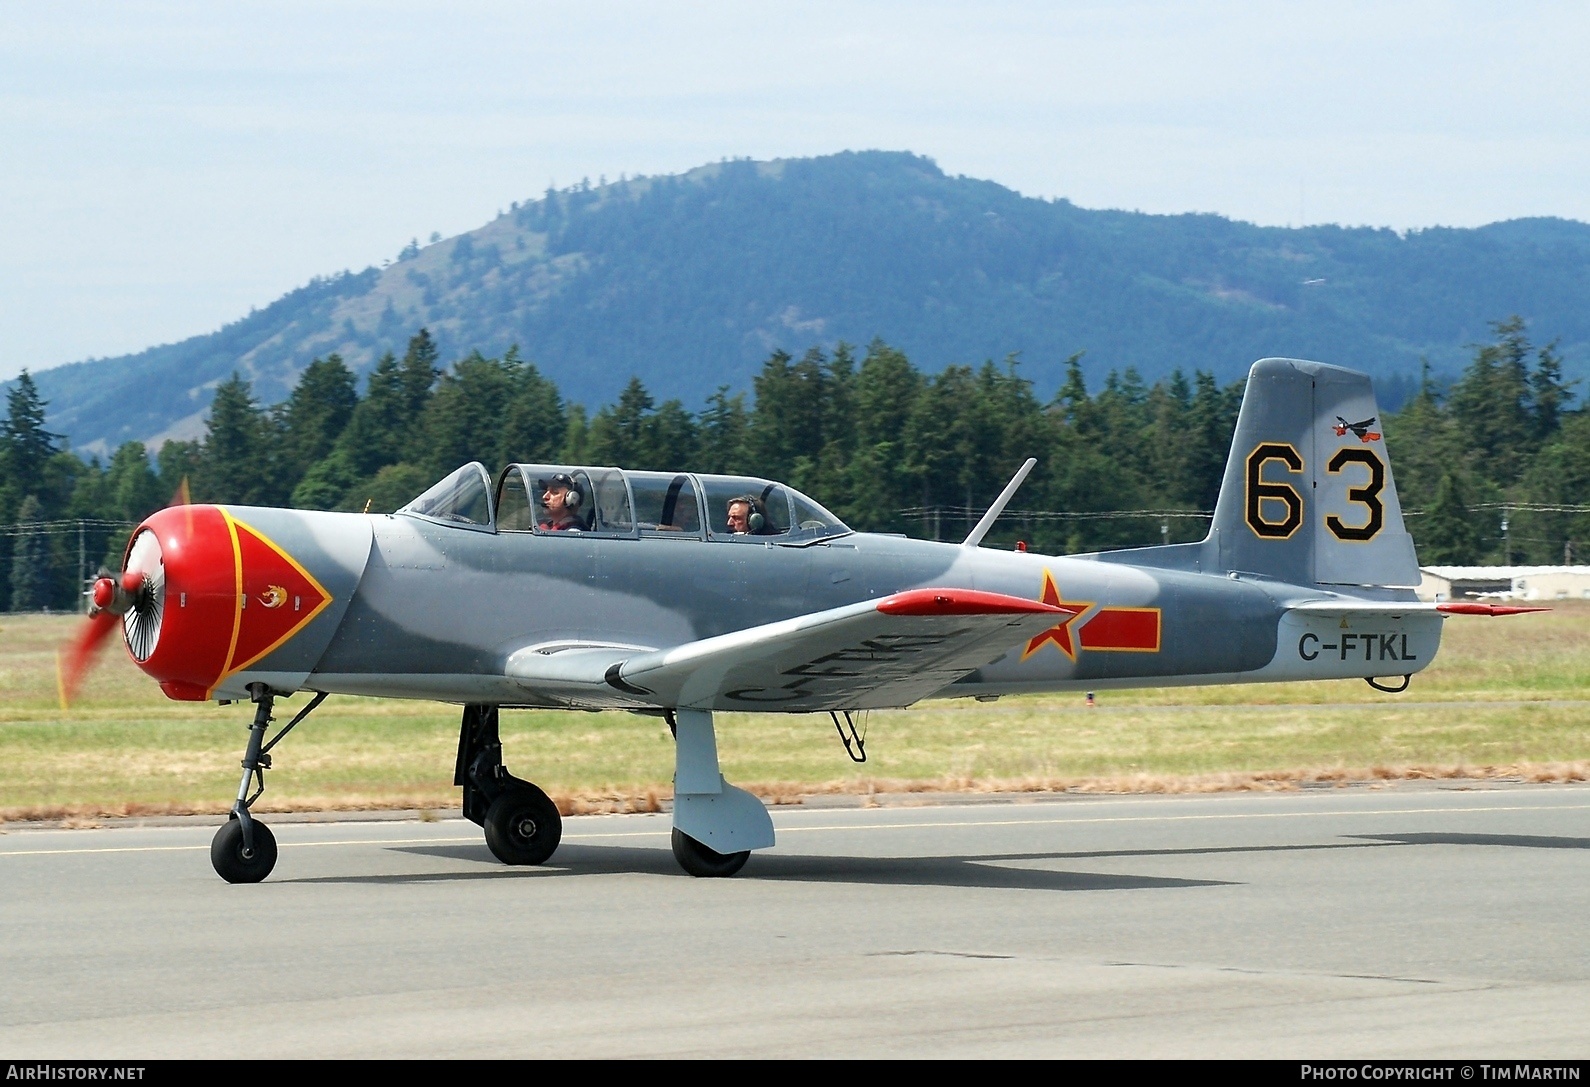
<point x="690" y="282"/>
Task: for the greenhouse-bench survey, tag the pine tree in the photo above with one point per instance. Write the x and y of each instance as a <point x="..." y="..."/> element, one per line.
<point x="313" y="417"/>
<point x="419" y="371"/>
<point x="178" y="464"/>
<point x="31" y="576"/>
<point x="722" y="429"/>
<point x="26" y="447"/>
<point x="1492" y="404"/>
<point x="1448" y="534"/>
<point x="618" y="433"/>
<point x="462" y="420"/>
<point x="377" y="431"/>
<point x="233" y="466"/>
<point x="535" y="423"/>
<point x="1549" y="392"/>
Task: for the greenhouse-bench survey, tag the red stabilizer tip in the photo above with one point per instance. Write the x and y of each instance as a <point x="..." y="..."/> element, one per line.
<point x="960" y="602"/>
<point x="104" y="592"/>
<point x="1463" y="607"/>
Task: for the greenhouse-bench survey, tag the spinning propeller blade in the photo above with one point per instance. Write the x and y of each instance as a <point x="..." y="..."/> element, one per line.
<point x="134" y="601"/>
<point x="74" y="661"/>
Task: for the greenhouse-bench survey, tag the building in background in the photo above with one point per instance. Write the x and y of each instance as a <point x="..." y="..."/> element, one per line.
<point x="1512" y="582"/>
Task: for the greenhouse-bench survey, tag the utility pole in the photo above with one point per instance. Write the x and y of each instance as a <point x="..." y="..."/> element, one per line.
<point x="82" y="559"/>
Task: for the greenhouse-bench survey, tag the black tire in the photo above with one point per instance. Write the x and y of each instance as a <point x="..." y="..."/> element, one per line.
<point x="523" y="826"/>
<point x="705" y="862"/>
<point x="235" y="864"/>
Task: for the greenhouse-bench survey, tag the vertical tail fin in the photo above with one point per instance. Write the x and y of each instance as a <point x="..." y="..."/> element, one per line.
<point x="1308" y="496"/>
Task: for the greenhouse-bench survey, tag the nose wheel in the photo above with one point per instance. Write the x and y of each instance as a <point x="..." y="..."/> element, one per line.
<point x="238" y="862"/>
<point x="244" y="849"/>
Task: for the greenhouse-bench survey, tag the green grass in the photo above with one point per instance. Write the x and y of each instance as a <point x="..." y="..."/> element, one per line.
<point x="1506" y="696"/>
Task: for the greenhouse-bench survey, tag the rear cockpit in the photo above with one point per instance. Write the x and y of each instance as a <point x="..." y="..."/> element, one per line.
<point x="551" y="499"/>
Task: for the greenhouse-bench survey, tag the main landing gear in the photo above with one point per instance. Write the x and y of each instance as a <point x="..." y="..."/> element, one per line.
<point x="522" y="824"/>
<point x="715" y="824"/>
<point x="244" y="849"/>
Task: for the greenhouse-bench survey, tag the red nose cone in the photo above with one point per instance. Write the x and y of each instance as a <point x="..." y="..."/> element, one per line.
<point x="104" y="592"/>
<point x="226" y="596"/>
<point x="191" y="631"/>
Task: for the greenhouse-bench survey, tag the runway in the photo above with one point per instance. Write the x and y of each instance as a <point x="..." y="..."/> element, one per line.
<point x="1412" y="921"/>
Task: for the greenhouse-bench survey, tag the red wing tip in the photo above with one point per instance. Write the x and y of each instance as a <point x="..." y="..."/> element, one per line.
<point x="960" y="602"/>
<point x="1463" y="607"/>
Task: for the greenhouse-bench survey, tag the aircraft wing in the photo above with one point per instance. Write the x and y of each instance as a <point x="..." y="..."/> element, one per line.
<point x="870" y="655"/>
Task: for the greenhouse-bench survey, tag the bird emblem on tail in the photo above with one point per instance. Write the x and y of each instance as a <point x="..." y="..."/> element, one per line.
<point x="1360" y="428"/>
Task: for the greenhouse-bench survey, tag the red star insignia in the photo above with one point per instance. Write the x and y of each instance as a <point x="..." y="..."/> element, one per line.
<point x="1060" y="635"/>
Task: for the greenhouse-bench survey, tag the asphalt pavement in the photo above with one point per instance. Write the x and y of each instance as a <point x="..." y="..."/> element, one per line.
<point x="1422" y="921"/>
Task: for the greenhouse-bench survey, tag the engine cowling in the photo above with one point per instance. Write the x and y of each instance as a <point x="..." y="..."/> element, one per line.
<point x="218" y="596"/>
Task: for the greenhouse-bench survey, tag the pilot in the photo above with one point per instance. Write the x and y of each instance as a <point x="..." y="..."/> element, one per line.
<point x="560" y="504"/>
<point x="741" y="512"/>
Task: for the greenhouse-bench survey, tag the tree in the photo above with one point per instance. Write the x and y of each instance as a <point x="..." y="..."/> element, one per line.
<point x="30" y="562"/>
<point x="377" y="431"/>
<point x="882" y="478"/>
<point x="721" y="432"/>
<point x="419" y="372"/>
<point x="313" y="417"/>
<point x="535" y="424"/>
<point x="133" y="491"/>
<point x="1449" y="535"/>
<point x="233" y="466"/>
<point x="179" y="465"/>
<point x="462" y="421"/>
<point x="24" y="443"/>
<point x="1493" y="404"/>
<point x="385" y="427"/>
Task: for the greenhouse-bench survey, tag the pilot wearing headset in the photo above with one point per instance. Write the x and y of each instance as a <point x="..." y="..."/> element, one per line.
<point x="744" y="519"/>
<point x="560" y="504"/>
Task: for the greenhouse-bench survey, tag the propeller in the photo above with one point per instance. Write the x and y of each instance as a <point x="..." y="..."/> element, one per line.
<point x="136" y="597"/>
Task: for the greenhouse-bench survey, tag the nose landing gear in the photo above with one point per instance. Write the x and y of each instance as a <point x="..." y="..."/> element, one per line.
<point x="244" y="849"/>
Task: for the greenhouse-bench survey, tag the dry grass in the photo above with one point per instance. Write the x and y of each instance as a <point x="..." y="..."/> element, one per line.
<point x="1507" y="699"/>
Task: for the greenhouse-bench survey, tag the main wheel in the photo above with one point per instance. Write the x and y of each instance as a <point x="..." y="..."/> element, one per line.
<point x="233" y="862"/>
<point x="523" y="826"/>
<point x="700" y="860"/>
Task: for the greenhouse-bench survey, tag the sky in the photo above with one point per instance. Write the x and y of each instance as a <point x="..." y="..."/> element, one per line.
<point x="164" y="167"/>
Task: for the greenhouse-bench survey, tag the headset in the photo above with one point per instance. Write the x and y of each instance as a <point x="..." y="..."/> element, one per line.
<point x="755" y="521"/>
<point x="571" y="500"/>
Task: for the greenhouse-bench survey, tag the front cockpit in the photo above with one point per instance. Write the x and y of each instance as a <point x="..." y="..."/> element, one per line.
<point x="553" y="499"/>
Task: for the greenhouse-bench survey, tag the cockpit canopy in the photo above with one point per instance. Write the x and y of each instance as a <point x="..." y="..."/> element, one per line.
<point x="554" y="499"/>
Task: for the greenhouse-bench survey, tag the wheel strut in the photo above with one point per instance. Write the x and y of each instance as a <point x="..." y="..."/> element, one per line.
<point x="244" y="849"/>
<point x="522" y="825"/>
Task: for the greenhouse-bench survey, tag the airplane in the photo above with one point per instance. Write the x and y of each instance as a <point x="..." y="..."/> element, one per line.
<point x="681" y="595"/>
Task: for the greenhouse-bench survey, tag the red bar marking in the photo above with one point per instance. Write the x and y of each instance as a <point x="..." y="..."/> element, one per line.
<point x="1122" y="630"/>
